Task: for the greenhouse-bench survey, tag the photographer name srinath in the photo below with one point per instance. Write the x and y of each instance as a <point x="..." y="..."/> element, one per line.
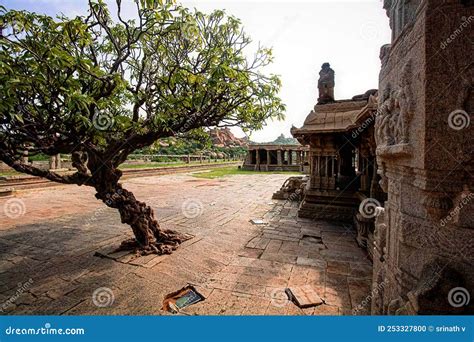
<point x="453" y="328"/>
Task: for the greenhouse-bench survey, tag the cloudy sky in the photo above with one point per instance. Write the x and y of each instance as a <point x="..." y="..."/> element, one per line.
<point x="303" y="35"/>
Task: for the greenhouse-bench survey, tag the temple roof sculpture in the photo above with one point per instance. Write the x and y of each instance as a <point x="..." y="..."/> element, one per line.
<point x="332" y="116"/>
<point x="326" y="84"/>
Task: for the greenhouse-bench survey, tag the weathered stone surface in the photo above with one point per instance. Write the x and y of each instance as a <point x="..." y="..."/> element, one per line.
<point x="311" y="262"/>
<point x="304" y="296"/>
<point x="424" y="135"/>
<point x="236" y="279"/>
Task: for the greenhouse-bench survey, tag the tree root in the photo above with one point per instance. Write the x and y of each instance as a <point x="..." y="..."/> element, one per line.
<point x="168" y="241"/>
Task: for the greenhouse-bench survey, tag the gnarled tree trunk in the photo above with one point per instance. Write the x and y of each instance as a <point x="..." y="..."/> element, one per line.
<point x="149" y="237"/>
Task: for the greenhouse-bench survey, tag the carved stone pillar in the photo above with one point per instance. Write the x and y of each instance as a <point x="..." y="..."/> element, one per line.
<point x="52" y="162"/>
<point x="55" y="162"/>
<point x="424" y="154"/>
<point x="364" y="169"/>
<point x="257" y="159"/>
<point x="24" y="158"/>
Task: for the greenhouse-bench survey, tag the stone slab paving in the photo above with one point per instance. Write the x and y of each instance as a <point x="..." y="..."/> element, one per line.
<point x="47" y="262"/>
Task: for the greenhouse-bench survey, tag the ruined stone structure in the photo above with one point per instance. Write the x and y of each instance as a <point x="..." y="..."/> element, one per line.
<point x="403" y="157"/>
<point x="343" y="169"/>
<point x="272" y="157"/>
<point x="54" y="163"/>
<point x="292" y="190"/>
<point x="425" y="232"/>
<point x="341" y="162"/>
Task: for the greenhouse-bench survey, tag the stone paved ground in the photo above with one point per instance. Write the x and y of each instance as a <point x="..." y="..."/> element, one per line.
<point x="47" y="262"/>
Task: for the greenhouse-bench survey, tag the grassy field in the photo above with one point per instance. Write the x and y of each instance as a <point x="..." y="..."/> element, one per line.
<point x="9" y="173"/>
<point x="150" y="165"/>
<point x="161" y="164"/>
<point x="233" y="170"/>
<point x="214" y="173"/>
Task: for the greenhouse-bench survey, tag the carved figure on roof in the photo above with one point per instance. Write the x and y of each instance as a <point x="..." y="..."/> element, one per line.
<point x="326" y="84"/>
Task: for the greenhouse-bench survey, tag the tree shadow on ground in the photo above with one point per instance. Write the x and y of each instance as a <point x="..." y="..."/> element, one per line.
<point x="49" y="267"/>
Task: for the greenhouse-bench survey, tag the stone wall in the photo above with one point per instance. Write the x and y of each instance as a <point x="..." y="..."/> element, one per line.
<point x="425" y="233"/>
<point x="424" y="153"/>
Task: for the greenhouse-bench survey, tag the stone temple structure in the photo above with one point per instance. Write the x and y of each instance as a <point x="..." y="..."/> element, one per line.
<point x="275" y="157"/>
<point x="424" y="235"/>
<point x="343" y="167"/>
<point x="399" y="162"/>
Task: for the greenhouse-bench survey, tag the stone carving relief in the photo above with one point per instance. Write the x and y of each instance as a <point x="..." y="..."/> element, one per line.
<point x="395" y="111"/>
<point x="462" y="214"/>
<point x="377" y="298"/>
<point x="431" y="295"/>
<point x="380" y="280"/>
<point x="437" y="237"/>
<point x="386" y="106"/>
<point x="436" y="204"/>
<point x="404" y="102"/>
<point x="380" y="233"/>
<point x="383" y="178"/>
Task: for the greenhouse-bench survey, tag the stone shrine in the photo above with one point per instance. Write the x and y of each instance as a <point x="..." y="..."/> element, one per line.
<point x="343" y="168"/>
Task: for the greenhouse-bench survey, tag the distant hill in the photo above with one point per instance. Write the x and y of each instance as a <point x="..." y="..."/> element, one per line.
<point x="282" y="140"/>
